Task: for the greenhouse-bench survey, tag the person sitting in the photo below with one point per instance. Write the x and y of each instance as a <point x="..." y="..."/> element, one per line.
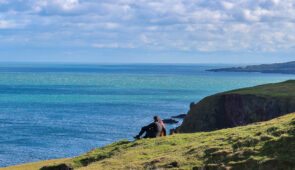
<point x="152" y="130"/>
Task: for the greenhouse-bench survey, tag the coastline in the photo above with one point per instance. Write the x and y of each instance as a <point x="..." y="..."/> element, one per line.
<point x="173" y="148"/>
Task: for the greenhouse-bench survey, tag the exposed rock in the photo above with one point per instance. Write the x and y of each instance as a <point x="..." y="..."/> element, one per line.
<point x="57" y="167"/>
<point x="173" y="164"/>
<point x="181" y="116"/>
<point x="172" y="131"/>
<point x="170" y="121"/>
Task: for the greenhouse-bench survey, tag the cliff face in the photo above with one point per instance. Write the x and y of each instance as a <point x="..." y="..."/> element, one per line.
<point x="233" y="109"/>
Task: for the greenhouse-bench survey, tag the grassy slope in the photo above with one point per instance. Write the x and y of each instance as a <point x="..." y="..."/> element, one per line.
<point x="36" y="165"/>
<point x="283" y="89"/>
<point x="267" y="144"/>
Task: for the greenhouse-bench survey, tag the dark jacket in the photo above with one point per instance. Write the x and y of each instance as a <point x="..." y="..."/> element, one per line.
<point x="153" y="130"/>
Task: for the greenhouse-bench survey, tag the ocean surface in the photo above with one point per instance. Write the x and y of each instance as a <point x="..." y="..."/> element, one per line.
<point x="50" y="111"/>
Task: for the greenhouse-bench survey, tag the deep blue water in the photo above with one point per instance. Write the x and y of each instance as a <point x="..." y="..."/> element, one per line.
<point x="50" y="111"/>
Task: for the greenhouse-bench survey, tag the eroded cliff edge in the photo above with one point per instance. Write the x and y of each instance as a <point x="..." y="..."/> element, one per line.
<point x="240" y="107"/>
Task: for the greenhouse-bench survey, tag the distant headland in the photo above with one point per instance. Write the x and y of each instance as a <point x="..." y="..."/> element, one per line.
<point x="283" y="68"/>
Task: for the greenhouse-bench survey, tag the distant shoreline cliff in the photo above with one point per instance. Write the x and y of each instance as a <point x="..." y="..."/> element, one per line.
<point x="283" y="68"/>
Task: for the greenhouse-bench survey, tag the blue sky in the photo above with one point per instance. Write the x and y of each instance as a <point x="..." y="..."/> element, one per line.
<point x="147" y="31"/>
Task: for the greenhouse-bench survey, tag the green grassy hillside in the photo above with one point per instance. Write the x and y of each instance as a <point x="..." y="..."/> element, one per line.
<point x="265" y="145"/>
<point x="282" y="89"/>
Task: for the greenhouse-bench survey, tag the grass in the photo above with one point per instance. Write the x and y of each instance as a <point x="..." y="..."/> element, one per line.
<point x="265" y="145"/>
<point x="283" y="89"/>
<point x="36" y="165"/>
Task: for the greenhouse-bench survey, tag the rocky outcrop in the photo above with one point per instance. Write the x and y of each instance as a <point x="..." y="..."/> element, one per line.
<point x="57" y="167"/>
<point x="181" y="116"/>
<point x="170" y="121"/>
<point x="229" y="110"/>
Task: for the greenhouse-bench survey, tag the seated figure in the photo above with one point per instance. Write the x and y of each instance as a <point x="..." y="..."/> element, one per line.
<point x="155" y="129"/>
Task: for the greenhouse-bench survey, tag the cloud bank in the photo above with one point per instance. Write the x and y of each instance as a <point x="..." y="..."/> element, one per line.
<point x="185" y="25"/>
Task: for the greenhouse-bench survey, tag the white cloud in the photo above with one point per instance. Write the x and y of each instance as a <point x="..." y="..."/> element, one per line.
<point x="276" y="2"/>
<point x="227" y="5"/>
<point x="67" y="4"/>
<point x="152" y="28"/>
<point x="250" y="16"/>
<point x="64" y="5"/>
<point x="244" y="28"/>
<point x="225" y="25"/>
<point x="111" y="25"/>
<point x="145" y="39"/>
<point x="7" y="24"/>
<point x="114" y="45"/>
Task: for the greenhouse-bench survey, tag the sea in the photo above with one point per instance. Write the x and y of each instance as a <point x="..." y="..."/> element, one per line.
<point x="50" y="111"/>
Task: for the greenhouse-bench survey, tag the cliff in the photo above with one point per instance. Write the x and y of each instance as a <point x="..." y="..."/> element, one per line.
<point x="284" y="68"/>
<point x="240" y="107"/>
<point x="259" y="146"/>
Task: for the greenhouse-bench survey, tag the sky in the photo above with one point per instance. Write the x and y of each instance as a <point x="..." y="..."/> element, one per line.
<point x="147" y="31"/>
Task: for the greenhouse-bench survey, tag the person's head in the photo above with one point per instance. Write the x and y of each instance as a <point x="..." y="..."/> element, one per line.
<point x="156" y="118"/>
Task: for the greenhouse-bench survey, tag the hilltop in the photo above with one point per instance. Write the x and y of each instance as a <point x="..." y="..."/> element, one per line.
<point x="240" y="107"/>
<point x="265" y="145"/>
<point x="284" y="68"/>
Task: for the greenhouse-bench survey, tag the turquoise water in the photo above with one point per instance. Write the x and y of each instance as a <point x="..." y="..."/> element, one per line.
<point x="56" y="111"/>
